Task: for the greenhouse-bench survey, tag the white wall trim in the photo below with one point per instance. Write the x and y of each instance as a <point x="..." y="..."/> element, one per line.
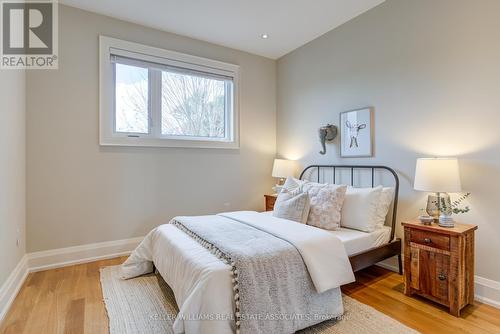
<point x="487" y="282"/>
<point x="487" y="301"/>
<point x="388" y="266"/>
<point x="487" y="291"/>
<point x="10" y="288"/>
<point x="56" y="258"/>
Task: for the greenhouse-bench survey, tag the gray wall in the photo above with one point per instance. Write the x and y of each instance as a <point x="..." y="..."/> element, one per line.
<point x="431" y="69"/>
<point x="80" y="193"/>
<point x="12" y="170"/>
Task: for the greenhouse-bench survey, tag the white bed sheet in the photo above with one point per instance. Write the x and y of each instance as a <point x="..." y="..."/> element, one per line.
<point x="200" y="281"/>
<point x="357" y="241"/>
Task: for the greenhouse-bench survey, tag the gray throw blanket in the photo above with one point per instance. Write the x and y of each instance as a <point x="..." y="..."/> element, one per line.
<point x="272" y="287"/>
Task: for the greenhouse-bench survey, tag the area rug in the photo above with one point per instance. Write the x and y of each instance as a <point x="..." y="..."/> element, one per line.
<point x="147" y="305"/>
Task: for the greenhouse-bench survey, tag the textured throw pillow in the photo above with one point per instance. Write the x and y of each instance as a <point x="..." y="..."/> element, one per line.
<point x="386" y="198"/>
<point x="360" y="210"/>
<point x="292" y="205"/>
<point x="326" y="204"/>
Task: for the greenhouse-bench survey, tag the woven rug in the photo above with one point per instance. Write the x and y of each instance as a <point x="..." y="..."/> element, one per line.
<point x="147" y="305"/>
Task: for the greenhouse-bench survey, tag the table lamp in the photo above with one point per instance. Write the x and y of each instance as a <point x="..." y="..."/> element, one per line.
<point x="438" y="175"/>
<point x="281" y="170"/>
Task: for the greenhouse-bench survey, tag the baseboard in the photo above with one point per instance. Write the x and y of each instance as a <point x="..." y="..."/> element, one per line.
<point x="62" y="257"/>
<point x="486" y="290"/>
<point x="57" y="258"/>
<point x="390" y="264"/>
<point x="12" y="285"/>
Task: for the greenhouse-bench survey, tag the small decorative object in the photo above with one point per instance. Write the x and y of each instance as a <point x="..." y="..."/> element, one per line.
<point x="433" y="203"/>
<point x="326" y="134"/>
<point x="447" y="208"/>
<point x="282" y="169"/>
<point x="356" y="133"/>
<point x="446" y="220"/>
<point x="439" y="175"/>
<point x="425" y="218"/>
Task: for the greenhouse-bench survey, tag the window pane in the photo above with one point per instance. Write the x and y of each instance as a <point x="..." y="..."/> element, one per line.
<point x="192" y="106"/>
<point x="131" y="99"/>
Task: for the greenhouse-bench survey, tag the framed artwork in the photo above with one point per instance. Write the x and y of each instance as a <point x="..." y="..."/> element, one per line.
<point x="356" y="133"/>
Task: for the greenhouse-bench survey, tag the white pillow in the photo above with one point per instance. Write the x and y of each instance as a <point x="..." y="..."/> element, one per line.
<point x="292" y="183"/>
<point x="361" y="208"/>
<point x="326" y="204"/>
<point x="293" y="205"/>
<point x="386" y="198"/>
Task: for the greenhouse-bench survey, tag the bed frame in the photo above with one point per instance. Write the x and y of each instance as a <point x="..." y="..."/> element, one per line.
<point x="374" y="255"/>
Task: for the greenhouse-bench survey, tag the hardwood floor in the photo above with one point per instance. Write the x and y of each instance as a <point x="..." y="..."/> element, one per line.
<point x="69" y="300"/>
<point x="63" y="300"/>
<point x="383" y="290"/>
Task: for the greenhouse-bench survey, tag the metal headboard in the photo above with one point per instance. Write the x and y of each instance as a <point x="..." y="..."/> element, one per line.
<point x="352" y="168"/>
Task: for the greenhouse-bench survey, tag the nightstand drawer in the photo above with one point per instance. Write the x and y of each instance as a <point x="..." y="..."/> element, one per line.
<point x="430" y="239"/>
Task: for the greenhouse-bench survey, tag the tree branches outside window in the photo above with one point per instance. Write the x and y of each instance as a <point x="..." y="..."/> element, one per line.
<point x="132" y="99"/>
<point x="192" y="106"/>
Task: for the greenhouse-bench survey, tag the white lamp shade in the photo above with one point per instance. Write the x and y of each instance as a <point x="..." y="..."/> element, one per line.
<point x="284" y="168"/>
<point x="437" y="175"/>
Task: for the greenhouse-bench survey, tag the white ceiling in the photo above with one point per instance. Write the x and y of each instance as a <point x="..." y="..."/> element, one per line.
<point x="237" y="24"/>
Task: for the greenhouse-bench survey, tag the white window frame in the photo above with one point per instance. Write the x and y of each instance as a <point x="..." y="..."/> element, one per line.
<point x="109" y="137"/>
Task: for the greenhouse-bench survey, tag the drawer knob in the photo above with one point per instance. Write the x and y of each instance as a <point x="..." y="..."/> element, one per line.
<point x="442" y="277"/>
<point x="427" y="240"/>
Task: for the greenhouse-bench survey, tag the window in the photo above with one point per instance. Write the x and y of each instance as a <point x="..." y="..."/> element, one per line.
<point x="154" y="97"/>
<point x="131" y="99"/>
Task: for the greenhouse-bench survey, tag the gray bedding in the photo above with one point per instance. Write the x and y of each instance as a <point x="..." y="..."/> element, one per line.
<point x="272" y="287"/>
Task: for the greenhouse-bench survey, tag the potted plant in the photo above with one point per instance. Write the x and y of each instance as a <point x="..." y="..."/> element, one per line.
<point x="448" y="208"/>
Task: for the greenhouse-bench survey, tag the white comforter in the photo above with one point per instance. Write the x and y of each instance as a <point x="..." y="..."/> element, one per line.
<point x="202" y="283"/>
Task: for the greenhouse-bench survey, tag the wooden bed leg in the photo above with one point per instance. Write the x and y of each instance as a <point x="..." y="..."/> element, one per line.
<point x="400" y="264"/>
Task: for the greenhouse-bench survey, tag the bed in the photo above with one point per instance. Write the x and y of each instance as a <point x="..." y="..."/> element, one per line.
<point x="204" y="286"/>
<point x="333" y="173"/>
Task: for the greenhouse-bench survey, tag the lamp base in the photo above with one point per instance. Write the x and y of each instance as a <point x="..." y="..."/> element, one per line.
<point x="434" y="206"/>
<point x="277" y="188"/>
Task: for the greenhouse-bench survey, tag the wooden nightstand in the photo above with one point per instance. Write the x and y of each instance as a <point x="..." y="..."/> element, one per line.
<point x="270" y="200"/>
<point x="439" y="263"/>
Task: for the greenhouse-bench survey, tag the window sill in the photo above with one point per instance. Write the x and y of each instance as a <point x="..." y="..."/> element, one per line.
<point x="157" y="142"/>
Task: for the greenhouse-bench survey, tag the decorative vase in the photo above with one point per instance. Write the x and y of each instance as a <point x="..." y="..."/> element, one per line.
<point x="434" y="204"/>
<point x="445" y="220"/>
